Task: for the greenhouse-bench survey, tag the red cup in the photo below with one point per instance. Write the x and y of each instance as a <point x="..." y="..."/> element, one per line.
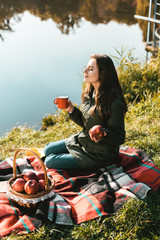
<point x="61" y="102"/>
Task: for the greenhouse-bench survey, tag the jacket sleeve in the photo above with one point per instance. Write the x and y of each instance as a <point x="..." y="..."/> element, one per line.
<point x="77" y="117"/>
<point x="115" y="126"/>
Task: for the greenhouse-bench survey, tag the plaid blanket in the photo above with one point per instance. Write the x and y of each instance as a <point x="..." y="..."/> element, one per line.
<point x="79" y="195"/>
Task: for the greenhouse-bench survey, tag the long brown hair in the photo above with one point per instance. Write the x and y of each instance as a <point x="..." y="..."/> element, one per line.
<point x="109" y="87"/>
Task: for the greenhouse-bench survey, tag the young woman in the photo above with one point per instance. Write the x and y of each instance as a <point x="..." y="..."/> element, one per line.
<point x="103" y="103"/>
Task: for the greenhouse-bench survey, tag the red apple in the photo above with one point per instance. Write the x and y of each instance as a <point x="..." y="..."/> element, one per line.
<point x="30" y="176"/>
<point x="40" y="175"/>
<point x="42" y="184"/>
<point x="97" y="131"/>
<point x="18" y="185"/>
<point x="31" y="187"/>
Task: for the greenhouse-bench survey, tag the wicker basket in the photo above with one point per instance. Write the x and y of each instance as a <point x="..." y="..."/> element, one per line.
<point x="24" y="199"/>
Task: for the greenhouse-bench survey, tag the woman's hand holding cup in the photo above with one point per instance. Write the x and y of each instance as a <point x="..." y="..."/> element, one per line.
<point x="70" y="107"/>
<point x="63" y="102"/>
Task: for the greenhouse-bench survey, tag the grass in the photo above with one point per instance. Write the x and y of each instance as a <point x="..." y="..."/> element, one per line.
<point x="27" y="137"/>
<point x="143" y="126"/>
<point x="137" y="219"/>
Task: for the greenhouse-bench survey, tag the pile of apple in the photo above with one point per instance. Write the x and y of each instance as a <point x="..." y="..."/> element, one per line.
<point x="30" y="183"/>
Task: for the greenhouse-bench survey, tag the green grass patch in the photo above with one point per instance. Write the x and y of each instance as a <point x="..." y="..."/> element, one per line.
<point x="143" y="126"/>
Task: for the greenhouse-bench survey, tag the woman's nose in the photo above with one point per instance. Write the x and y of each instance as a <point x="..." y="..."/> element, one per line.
<point x="85" y="70"/>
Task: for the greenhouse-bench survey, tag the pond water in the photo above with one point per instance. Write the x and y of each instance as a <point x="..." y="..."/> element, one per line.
<point x="39" y="62"/>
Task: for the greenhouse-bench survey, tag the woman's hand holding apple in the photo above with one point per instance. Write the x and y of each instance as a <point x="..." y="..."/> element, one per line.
<point x="96" y="133"/>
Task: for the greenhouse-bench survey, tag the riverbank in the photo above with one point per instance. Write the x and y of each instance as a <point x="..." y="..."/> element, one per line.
<point x="142" y="130"/>
<point x="138" y="219"/>
<point x="140" y="82"/>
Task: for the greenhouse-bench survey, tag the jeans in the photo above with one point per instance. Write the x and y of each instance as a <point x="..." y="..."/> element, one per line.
<point x="57" y="156"/>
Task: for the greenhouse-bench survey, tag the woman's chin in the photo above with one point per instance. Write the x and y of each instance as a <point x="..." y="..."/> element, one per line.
<point x="85" y="80"/>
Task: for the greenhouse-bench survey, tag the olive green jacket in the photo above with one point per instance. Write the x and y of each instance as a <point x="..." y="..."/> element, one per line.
<point x="90" y="154"/>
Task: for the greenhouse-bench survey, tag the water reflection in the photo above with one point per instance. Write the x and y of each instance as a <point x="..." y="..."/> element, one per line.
<point x="67" y="14"/>
<point x="43" y="55"/>
<point x="142" y="9"/>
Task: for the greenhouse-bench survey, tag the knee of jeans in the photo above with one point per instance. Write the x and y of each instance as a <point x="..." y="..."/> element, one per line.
<point x="45" y="152"/>
<point x="48" y="162"/>
<point x="46" y="148"/>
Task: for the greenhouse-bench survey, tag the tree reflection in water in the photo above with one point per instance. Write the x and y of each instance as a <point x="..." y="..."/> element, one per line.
<point x="5" y="25"/>
<point x="68" y="23"/>
<point x="67" y="14"/>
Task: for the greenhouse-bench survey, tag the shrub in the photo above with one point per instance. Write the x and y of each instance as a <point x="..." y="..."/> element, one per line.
<point x="137" y="79"/>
